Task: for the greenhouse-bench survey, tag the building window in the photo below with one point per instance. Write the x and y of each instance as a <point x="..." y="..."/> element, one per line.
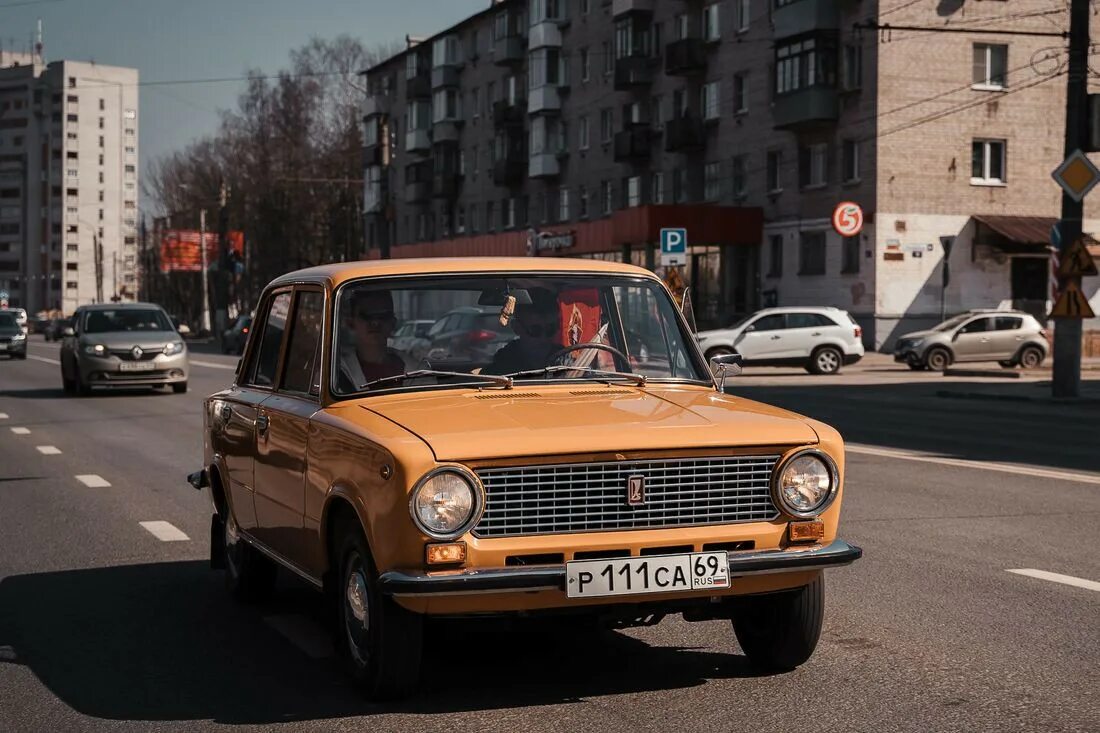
<point x="811" y="254"/>
<point x="474" y="229"/>
<point x="475" y="102"/>
<point x="508" y="209"/>
<point x="582" y="134"/>
<point x="990" y="65"/>
<point x="849" y="263"/>
<point x="850" y="160"/>
<point x="445" y="52"/>
<point x="546" y="67"/>
<point x="658" y="193"/>
<point x="775" y="161"/>
<point x="490" y="221"/>
<point x="743" y="11"/>
<point x="809" y="62"/>
<point x="460" y="220"/>
<point x="586" y="65"/>
<point x="853" y="66"/>
<point x="586" y="7"/>
<point x="563" y="204"/>
<point x="775" y="249"/>
<point x="712" y="181"/>
<point x="739" y="183"/>
<point x="608" y="59"/>
<point x="445" y="105"/>
<point x="740" y="94"/>
<point x="813" y="165"/>
<point x="711" y="30"/>
<point x="130" y="114"/>
<point x="582" y="202"/>
<point x="605" y="196"/>
<point x="633" y="191"/>
<point x="709" y="101"/>
<point x="607" y="124"/>
<point x="679" y="185"/>
<point x="988" y="162"/>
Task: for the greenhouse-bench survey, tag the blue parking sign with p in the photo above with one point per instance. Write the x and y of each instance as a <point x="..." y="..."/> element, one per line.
<point x="674" y="246"/>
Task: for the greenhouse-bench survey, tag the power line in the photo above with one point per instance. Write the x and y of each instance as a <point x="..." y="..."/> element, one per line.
<point x="29" y="2"/>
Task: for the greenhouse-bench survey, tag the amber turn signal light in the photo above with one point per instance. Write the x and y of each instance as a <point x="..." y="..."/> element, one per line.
<point x="447" y="553"/>
<point x="807" y="531"/>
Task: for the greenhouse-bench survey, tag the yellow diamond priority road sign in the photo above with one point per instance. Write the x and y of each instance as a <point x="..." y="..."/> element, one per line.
<point x="1077" y="175"/>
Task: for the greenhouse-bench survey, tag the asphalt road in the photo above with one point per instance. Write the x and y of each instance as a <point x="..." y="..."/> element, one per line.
<point x="106" y="623"/>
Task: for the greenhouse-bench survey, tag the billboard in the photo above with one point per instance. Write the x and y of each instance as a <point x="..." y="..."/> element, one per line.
<point x="179" y="250"/>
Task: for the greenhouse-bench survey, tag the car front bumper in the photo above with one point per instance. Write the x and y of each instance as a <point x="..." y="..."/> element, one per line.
<point x="552" y="577"/>
<point x="96" y="371"/>
<point x="14" y="348"/>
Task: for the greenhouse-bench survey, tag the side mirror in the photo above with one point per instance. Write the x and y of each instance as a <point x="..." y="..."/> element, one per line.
<point x="749" y="329"/>
<point x="68" y="331"/>
<point x="955" y="336"/>
<point x="728" y="365"/>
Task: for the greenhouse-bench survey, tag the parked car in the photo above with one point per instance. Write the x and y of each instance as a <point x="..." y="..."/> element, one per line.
<point x="1012" y="338"/>
<point x="234" y="338"/>
<point x="607" y="491"/>
<point x="20" y="315"/>
<point x="466" y="335"/>
<point x="122" y="345"/>
<point x="411" y="338"/>
<point x="820" y="339"/>
<point x="13" y="339"/>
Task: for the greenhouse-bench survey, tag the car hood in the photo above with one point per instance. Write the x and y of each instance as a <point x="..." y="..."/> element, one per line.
<point x="920" y="334"/>
<point x="148" y="340"/>
<point x="541" y="420"/>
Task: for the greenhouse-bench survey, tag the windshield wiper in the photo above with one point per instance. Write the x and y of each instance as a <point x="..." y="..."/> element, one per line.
<point x="638" y="379"/>
<point x="505" y="382"/>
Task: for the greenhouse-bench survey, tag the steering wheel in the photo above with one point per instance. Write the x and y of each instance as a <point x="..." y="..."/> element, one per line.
<point x="579" y="347"/>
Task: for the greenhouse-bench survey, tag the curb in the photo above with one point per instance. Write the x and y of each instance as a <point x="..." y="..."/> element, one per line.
<point x="1002" y="374"/>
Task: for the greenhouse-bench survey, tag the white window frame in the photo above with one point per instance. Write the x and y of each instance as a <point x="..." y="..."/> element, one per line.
<point x="777" y="156"/>
<point x="712" y="181"/>
<point x="658" y="185"/>
<point x="819" y="165"/>
<point x="988" y="49"/>
<point x="845" y="146"/>
<point x="583" y="138"/>
<point x="986" y="179"/>
<point x="743" y="11"/>
<point x="563" y="204"/>
<point x="633" y="192"/>
<point x="606" y="193"/>
<point x="710" y="101"/>
<point x="712" y="28"/>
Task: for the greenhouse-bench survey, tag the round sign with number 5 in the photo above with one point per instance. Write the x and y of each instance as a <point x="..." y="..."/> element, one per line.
<point x="848" y="219"/>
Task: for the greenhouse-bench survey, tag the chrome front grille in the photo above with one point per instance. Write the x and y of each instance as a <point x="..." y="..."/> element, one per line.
<point x="593" y="497"/>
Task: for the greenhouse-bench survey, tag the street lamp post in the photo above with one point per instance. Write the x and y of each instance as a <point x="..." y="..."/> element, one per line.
<point x="205" y="273"/>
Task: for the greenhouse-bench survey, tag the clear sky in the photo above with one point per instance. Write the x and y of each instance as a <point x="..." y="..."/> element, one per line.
<point x="194" y="39"/>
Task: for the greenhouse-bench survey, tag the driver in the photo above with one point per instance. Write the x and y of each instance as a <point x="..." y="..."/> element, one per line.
<point x="538" y="326"/>
<point x="366" y="356"/>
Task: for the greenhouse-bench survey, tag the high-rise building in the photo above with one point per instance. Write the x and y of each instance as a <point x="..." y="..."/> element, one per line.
<point x="746" y="122"/>
<point x="68" y="183"/>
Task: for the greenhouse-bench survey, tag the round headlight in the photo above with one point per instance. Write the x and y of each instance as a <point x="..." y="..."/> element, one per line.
<point x="445" y="503"/>
<point x="806" y="484"/>
<point x="95" y="349"/>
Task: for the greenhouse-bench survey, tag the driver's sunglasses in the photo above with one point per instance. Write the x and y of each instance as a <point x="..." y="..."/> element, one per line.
<point x="375" y="316"/>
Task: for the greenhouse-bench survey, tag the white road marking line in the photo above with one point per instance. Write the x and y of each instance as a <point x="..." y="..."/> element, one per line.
<point x="212" y="365"/>
<point x="1058" y="578"/>
<point x="3" y="416"/>
<point x="164" y="531"/>
<point x="93" y="482"/>
<point x="868" y="450"/>
<point x="302" y="633"/>
<point x="21" y="431"/>
<point x="44" y="359"/>
<point x="49" y="450"/>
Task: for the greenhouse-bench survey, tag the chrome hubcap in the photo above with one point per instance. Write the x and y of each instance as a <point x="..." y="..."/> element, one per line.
<point x="827" y="361"/>
<point x="357" y="597"/>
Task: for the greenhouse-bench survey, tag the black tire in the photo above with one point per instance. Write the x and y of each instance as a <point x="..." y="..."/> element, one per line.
<point x="67" y="384"/>
<point x="917" y="367"/>
<point x="21" y="356"/>
<point x="718" y="351"/>
<point x="937" y="359"/>
<point x="249" y="575"/>
<point x="82" y="389"/>
<point x="1007" y="364"/>
<point x="380" y="642"/>
<point x="1031" y="357"/>
<point x="825" y="360"/>
<point x="779" y="631"/>
<point x="179" y="387"/>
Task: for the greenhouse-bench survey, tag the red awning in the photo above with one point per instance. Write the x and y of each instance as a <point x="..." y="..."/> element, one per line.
<point x="1025" y="231"/>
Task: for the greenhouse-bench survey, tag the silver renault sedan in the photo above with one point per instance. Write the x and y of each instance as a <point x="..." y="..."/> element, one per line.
<point x="122" y="345"/>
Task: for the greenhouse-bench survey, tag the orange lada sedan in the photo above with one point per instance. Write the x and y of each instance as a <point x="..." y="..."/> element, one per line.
<point x="573" y="456"/>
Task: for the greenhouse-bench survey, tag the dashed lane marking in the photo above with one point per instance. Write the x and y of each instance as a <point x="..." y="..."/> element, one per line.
<point x="212" y="365"/>
<point x="55" y="362"/>
<point x="49" y="450"/>
<point x="165" y="531"/>
<point x="92" y="481"/>
<point x="868" y="450"/>
<point x="1058" y="578"/>
<point x="303" y="633"/>
<point x="3" y="416"/>
<point x="21" y="431"/>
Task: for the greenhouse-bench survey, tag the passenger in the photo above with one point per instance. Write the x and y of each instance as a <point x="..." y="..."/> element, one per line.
<point x="538" y="325"/>
<point x="366" y="357"/>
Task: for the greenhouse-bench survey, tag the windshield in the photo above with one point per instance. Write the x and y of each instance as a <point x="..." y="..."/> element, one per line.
<point x="951" y="323"/>
<point x="126" y="319"/>
<point x="7" y="321"/>
<point x="603" y="328"/>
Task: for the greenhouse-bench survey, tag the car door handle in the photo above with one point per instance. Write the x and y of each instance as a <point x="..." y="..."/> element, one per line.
<point x="816" y="333"/>
<point x="775" y="338"/>
<point x="262" y="424"/>
<point x="985" y="340"/>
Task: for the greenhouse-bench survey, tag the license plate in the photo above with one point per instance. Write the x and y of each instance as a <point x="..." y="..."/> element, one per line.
<point x="642" y="575"/>
<point x="3" y="347"/>
<point x="137" y="366"/>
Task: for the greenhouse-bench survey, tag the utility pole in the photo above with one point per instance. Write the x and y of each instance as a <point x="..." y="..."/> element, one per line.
<point x="205" y="273"/>
<point x="1067" y="331"/>
<point x="221" y="282"/>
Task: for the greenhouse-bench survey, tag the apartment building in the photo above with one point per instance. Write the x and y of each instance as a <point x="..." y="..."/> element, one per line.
<point x="747" y="122"/>
<point x="68" y="182"/>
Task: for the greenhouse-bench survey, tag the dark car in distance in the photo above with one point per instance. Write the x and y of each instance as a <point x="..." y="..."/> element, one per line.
<point x="234" y="338"/>
<point x="13" y="339"/>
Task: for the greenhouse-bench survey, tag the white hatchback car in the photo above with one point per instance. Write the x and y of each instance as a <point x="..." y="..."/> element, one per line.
<point x="819" y="339"/>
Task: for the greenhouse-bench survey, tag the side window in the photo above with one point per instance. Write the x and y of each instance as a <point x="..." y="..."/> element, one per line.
<point x="304" y="348"/>
<point x="1008" y="323"/>
<point x="770" y="323"/>
<point x="981" y="325"/>
<point x="437" y="327"/>
<point x="807" y="320"/>
<point x="267" y="356"/>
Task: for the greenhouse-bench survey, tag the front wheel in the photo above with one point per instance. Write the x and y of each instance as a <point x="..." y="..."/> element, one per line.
<point x="826" y="360"/>
<point x="1007" y="364"/>
<point x="938" y="359"/>
<point x="778" y="632"/>
<point x="380" y="641"/>
<point x="1031" y="357"/>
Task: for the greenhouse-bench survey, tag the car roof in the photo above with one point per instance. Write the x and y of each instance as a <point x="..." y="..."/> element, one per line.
<point x="338" y="273"/>
<point x="799" y="309"/>
<point x="118" y="306"/>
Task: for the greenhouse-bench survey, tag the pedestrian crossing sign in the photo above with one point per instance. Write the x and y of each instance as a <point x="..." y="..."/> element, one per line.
<point x="1076" y="261"/>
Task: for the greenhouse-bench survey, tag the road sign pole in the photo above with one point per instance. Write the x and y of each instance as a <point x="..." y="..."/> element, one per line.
<point x="1066" y="380"/>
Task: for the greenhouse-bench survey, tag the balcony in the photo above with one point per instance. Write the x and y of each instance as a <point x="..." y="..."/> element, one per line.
<point x="445" y="76"/>
<point x="372" y="156"/>
<point x="633" y="144"/>
<point x="632" y="72"/>
<point x="625" y="7"/>
<point x="805" y="16"/>
<point x="509" y="50"/>
<point x="543" y="165"/>
<point x="685" y="134"/>
<point x="417" y="141"/>
<point x="375" y="105"/>
<point x="545" y="99"/>
<point x="446" y="131"/>
<point x="546" y="34"/>
<point x="417" y="192"/>
<point x="445" y="185"/>
<point x="419" y="86"/>
<point x="686" y="56"/>
<point x="806" y="108"/>
<point x="509" y="114"/>
<point x="510" y="172"/>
